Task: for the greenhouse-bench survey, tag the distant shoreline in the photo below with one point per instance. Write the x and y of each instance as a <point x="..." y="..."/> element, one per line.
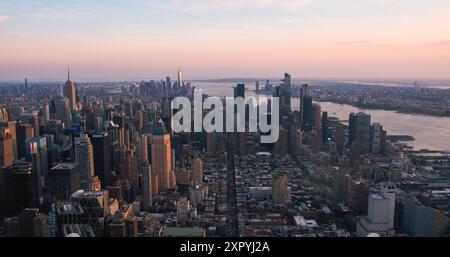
<point x="380" y="107"/>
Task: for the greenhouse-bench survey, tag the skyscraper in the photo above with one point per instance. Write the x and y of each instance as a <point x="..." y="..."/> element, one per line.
<point x="130" y="168"/>
<point x="38" y="146"/>
<point x="65" y="178"/>
<point x="84" y="156"/>
<point x="62" y="110"/>
<point x="32" y="119"/>
<point x="102" y="158"/>
<point x="70" y="92"/>
<point x="11" y="125"/>
<point x="325" y="128"/>
<point x="168" y="86"/>
<point x="180" y="79"/>
<point x="339" y="139"/>
<point x="317" y="117"/>
<point x="143" y="149"/>
<point x="6" y="148"/>
<point x="197" y="171"/>
<point x="303" y="93"/>
<point x="285" y="93"/>
<point x="23" y="189"/>
<point x="239" y="91"/>
<point x="295" y="139"/>
<point x="161" y="155"/>
<point x="359" y="131"/>
<point x="308" y="113"/>
<point x="45" y="112"/>
<point x="377" y="138"/>
<point x="147" y="186"/>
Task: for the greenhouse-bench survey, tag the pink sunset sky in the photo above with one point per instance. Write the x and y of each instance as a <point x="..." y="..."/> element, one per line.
<point x="217" y="39"/>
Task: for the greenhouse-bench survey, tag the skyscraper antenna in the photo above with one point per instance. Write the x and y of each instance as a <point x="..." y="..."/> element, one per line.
<point x="68" y="73"/>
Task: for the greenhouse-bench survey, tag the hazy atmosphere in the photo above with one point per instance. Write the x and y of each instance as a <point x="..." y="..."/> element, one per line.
<point x="212" y="38"/>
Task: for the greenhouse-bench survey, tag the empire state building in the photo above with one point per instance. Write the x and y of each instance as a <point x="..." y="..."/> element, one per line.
<point x="70" y="92"/>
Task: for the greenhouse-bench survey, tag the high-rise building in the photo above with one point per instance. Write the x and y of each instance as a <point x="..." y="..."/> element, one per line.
<point x="239" y="91"/>
<point x="161" y="155"/>
<point x="24" y="131"/>
<point x="303" y="93"/>
<point x="32" y="223"/>
<point x="23" y="189"/>
<point x="84" y="156"/>
<point x="62" y="110"/>
<point x="38" y="146"/>
<point x="45" y="112"/>
<point x="295" y="139"/>
<point x="339" y="139"/>
<point x="147" y="186"/>
<point x="180" y="79"/>
<point x="65" y="179"/>
<point x="308" y="113"/>
<point x="325" y="128"/>
<point x="341" y="186"/>
<point x="285" y="92"/>
<point x="377" y="138"/>
<point x="359" y="131"/>
<point x="143" y="149"/>
<point x="280" y="189"/>
<point x="11" y="125"/>
<point x="168" y="86"/>
<point x="6" y="148"/>
<point x="168" y="113"/>
<point x="67" y="213"/>
<point x="32" y="119"/>
<point x="70" y="92"/>
<point x="95" y="206"/>
<point x="130" y="168"/>
<point x="197" y="171"/>
<point x="102" y="158"/>
<point x="317" y="118"/>
<point x="381" y="213"/>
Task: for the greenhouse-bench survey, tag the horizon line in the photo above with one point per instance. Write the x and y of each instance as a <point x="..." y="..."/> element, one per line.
<point x="212" y="78"/>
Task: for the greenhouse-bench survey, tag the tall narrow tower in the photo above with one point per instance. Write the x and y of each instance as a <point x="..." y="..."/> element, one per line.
<point x="180" y="79"/>
<point x="161" y="155"/>
<point x="69" y="92"/>
<point x="84" y="152"/>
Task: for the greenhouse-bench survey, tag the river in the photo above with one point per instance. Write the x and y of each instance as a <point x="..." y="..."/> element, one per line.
<point x="430" y="132"/>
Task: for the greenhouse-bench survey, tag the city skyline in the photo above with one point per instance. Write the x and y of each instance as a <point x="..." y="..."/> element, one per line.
<point x="217" y="39"/>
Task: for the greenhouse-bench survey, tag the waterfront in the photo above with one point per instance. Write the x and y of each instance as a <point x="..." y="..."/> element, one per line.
<point x="430" y="132"/>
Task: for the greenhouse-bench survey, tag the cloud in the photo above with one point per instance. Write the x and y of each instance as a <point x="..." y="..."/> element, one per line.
<point x="354" y="42"/>
<point x="16" y="33"/>
<point x="440" y="43"/>
<point x="54" y="16"/>
<point x="193" y="5"/>
<point x="3" y="18"/>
